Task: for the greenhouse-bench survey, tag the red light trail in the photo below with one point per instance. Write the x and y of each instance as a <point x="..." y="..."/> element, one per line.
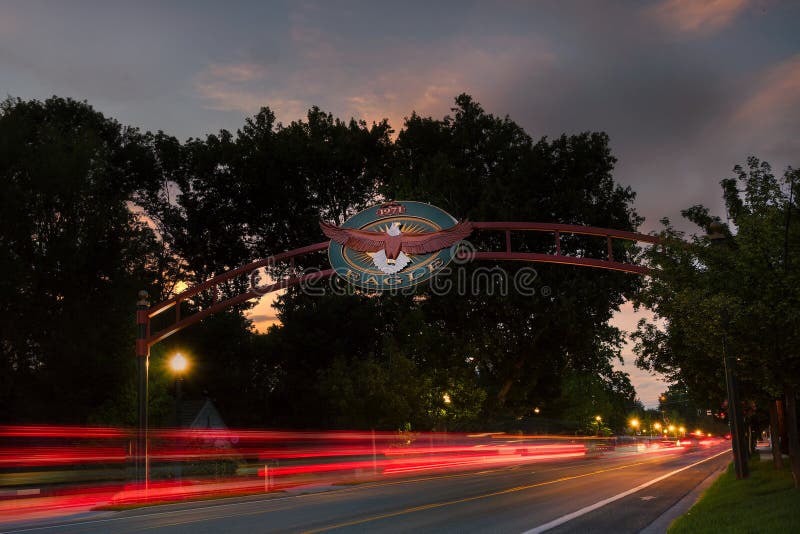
<point x="54" y="470"/>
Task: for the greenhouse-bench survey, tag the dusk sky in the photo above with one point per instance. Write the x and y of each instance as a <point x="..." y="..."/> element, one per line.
<point x="685" y="89"/>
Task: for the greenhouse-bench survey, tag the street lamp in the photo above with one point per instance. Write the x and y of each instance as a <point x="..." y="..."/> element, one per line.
<point x="717" y="236"/>
<point x="599" y="420"/>
<point x="178" y="363"/>
<point x="634" y="424"/>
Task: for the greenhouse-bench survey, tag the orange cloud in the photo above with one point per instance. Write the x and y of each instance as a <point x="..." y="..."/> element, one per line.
<point x="417" y="79"/>
<point x="706" y="16"/>
<point x="429" y="85"/>
<point x="241" y="87"/>
<point x="263" y="314"/>
<point x="777" y="93"/>
<point x="766" y="121"/>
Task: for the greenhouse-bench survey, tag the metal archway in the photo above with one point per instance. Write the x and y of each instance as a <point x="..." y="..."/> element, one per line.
<point x="145" y="338"/>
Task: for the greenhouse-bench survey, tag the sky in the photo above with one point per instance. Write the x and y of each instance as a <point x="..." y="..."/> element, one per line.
<point x="685" y="89"/>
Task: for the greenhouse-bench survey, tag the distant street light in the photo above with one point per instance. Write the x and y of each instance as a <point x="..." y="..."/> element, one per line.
<point x="657" y="428"/>
<point x="634" y="424"/>
<point x="446" y="398"/>
<point x="598" y="419"/>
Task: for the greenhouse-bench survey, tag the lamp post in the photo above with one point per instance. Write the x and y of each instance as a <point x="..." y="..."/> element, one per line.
<point x="178" y="363"/>
<point x="598" y="419"/>
<point x="716" y="234"/>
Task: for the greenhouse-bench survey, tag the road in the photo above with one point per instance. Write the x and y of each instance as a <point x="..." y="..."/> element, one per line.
<point x="612" y="494"/>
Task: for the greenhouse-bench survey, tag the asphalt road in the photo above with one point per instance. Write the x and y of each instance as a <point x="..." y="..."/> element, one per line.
<point x="615" y="494"/>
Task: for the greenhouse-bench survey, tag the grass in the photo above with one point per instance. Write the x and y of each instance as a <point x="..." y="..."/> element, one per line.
<point x="766" y="502"/>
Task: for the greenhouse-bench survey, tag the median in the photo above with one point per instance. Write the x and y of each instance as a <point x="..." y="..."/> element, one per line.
<point x="765" y="502"/>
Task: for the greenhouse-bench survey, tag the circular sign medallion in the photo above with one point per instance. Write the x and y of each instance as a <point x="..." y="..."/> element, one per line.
<point x="394" y="245"/>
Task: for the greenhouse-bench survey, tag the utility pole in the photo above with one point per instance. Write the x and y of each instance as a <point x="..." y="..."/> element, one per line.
<point x="716" y="233"/>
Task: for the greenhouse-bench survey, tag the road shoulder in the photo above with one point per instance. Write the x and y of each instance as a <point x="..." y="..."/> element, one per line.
<point x="662" y="523"/>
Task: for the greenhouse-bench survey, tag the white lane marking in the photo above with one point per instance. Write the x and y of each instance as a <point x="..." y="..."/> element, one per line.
<point x="569" y="517"/>
<point x="648" y="497"/>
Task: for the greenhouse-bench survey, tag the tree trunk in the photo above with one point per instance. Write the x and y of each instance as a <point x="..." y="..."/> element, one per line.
<point x="775" y="433"/>
<point x="784" y="432"/>
<point x="791" y="424"/>
<point x="501" y="395"/>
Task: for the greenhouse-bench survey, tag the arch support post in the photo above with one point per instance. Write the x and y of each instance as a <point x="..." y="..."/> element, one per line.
<point x="141" y="463"/>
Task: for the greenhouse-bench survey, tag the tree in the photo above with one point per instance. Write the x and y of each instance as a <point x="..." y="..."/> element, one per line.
<point x="72" y="254"/>
<point x="481" y="167"/>
<point x="747" y="291"/>
<point x="96" y="211"/>
<point x="230" y="199"/>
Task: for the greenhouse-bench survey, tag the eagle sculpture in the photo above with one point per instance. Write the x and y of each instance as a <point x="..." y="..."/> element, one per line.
<point x="389" y="249"/>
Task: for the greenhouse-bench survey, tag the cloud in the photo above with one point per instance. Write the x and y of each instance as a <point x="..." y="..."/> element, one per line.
<point x="8" y="22"/>
<point x="426" y="82"/>
<point x="236" y="72"/>
<point x="417" y="79"/>
<point x="649" y="386"/>
<point x="242" y="87"/>
<point x="766" y="121"/>
<point x="263" y="314"/>
<point x="263" y="318"/>
<point x="693" y="16"/>
<point x="778" y="90"/>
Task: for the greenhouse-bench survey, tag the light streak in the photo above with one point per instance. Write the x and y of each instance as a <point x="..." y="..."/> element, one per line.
<point x="50" y="470"/>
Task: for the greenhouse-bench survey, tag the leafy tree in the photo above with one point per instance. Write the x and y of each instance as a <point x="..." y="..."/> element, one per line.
<point x="745" y="292"/>
<point x="481" y="167"/>
<point x="511" y="349"/>
<point x="229" y="199"/>
<point x="72" y="255"/>
<point x="93" y="211"/>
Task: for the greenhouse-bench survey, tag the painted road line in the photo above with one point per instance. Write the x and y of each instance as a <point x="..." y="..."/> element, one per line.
<point x="569" y="517"/>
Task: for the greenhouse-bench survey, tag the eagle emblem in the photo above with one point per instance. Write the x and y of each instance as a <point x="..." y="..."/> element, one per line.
<point x="394" y="245"/>
<point x="390" y="250"/>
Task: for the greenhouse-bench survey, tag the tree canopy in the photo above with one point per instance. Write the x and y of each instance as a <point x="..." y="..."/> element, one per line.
<point x="745" y="290"/>
<point x="94" y="211"/>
